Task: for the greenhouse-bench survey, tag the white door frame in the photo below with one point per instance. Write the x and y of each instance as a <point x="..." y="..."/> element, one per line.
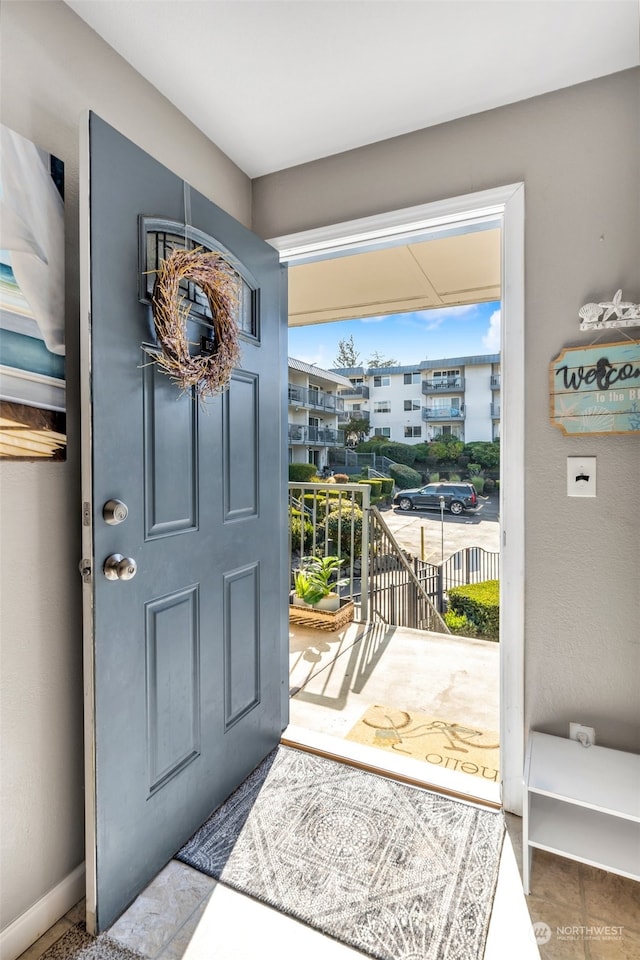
<point x="504" y="205"/>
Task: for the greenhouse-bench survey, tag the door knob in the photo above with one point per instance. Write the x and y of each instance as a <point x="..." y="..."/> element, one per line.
<point x="114" y="512"/>
<point x="117" y="567"/>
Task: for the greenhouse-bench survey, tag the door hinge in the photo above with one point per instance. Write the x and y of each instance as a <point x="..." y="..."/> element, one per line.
<point x="85" y="570"/>
<point x="86" y="514"/>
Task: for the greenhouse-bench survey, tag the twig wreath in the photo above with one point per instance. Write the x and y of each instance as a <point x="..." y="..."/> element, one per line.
<point x="209" y="373"/>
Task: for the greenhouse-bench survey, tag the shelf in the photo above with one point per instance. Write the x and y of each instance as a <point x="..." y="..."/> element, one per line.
<point x="594" y="837"/>
<point x="592" y="777"/>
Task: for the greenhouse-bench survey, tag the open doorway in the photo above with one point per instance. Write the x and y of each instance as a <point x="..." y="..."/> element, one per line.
<point x="503" y="209"/>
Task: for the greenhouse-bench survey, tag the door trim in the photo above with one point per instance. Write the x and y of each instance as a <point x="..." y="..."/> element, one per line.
<point x="503" y="205"/>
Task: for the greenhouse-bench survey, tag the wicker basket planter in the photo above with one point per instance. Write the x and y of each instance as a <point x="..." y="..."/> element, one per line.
<point x="322" y="619"/>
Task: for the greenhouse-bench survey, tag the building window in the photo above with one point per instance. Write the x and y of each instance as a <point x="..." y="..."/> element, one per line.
<point x="382" y="432"/>
<point x="410" y="378"/>
<point x="381" y="406"/>
<point x="356" y="408"/>
<point x="382" y="381"/>
<point x="413" y="431"/>
<point x="412" y="404"/>
<point x="444" y="374"/>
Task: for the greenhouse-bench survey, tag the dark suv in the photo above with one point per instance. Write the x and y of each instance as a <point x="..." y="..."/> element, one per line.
<point x="457" y="497"/>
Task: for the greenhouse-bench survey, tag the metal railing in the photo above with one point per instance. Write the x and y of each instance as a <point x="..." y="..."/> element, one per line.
<point x="469" y="565"/>
<point x="328" y="519"/>
<point x="396" y="595"/>
<point x="443" y="413"/>
<point x="314" y="399"/>
<point x="495" y="381"/>
<point x="355" y="392"/>
<point x="443" y="385"/>
<point x="326" y="436"/>
<point x="495" y="410"/>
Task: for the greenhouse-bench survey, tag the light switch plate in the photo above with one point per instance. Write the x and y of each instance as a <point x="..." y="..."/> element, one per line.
<point x="581" y="476"/>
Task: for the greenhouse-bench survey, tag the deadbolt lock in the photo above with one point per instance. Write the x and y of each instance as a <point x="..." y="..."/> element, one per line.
<point x="117" y="567"/>
<point x="114" y="512"/>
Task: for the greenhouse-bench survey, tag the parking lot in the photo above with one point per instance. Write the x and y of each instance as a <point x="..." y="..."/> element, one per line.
<point x="479" y="528"/>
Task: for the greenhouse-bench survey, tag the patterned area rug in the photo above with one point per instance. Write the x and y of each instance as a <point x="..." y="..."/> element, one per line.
<point x="455" y="746"/>
<point x="393" y="870"/>
<point x="77" y="944"/>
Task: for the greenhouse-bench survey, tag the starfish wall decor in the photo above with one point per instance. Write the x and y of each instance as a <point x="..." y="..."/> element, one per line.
<point x="611" y="313"/>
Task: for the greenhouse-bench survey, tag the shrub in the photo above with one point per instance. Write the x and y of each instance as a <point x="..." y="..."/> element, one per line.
<point x="480" y="604"/>
<point x="483" y="452"/>
<point x="474" y="469"/>
<point x="454" y="477"/>
<point x="478" y="483"/>
<point x="296" y="533"/>
<point x="398" y="452"/>
<point x="405" y="477"/>
<point x="302" y="472"/>
<point x="376" y="487"/>
<point x="458" y="624"/>
<point x="341" y="520"/>
<point x="434" y="477"/>
<point x="489" y="485"/>
<point x="387" y="486"/>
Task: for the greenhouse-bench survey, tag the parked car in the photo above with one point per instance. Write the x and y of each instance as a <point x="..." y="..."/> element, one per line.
<point x="457" y="497"/>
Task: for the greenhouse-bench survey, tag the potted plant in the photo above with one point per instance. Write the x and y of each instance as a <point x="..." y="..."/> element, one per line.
<point x="315" y="585"/>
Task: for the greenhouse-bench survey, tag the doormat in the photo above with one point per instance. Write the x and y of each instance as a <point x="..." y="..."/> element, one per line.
<point x="77" y="944"/>
<point x="390" y="869"/>
<point x="451" y="745"/>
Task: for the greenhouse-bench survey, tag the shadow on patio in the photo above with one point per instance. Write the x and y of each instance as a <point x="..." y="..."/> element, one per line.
<point x="417" y="704"/>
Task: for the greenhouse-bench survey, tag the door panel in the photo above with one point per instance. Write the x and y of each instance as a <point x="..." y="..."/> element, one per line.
<point x="186" y="663"/>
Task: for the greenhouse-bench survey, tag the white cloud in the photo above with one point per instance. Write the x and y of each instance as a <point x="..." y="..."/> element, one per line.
<point x="491" y="339"/>
<point x="372" y="319"/>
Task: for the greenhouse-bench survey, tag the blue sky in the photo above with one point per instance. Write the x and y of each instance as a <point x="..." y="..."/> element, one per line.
<point x="407" y="338"/>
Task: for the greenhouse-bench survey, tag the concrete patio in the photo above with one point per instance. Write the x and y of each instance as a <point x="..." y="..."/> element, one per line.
<point x="335" y="678"/>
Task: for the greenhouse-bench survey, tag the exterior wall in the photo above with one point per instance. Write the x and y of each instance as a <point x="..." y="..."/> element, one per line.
<point x="53" y="69"/>
<point x="300" y="411"/>
<point x="576" y="150"/>
<point x="475" y="395"/>
<point x="477" y="402"/>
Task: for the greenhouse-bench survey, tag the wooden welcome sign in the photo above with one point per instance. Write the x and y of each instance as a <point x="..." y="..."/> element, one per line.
<point x="595" y="391"/>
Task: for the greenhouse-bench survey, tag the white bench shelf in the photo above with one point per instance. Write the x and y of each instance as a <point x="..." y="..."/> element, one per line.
<point x="582" y="803"/>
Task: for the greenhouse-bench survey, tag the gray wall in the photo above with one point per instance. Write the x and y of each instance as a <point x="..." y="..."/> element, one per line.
<point x="53" y="69"/>
<point x="578" y="153"/>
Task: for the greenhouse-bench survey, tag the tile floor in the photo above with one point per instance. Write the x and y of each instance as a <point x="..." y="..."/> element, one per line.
<point x="590" y="914"/>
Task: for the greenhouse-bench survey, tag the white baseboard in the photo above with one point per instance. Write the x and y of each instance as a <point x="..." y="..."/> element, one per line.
<point x="35" y="921"/>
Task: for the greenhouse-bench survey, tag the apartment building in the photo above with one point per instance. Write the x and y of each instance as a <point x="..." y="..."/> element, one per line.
<point x="316" y="408"/>
<point x="455" y="396"/>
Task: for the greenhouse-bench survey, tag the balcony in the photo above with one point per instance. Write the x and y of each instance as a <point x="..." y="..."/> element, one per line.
<point x="443" y="385"/>
<point x="350" y="414"/>
<point x="360" y="391"/>
<point x="317" y="436"/>
<point x="314" y="399"/>
<point x="495" y="411"/>
<point x="495" y="381"/>
<point x="443" y="413"/>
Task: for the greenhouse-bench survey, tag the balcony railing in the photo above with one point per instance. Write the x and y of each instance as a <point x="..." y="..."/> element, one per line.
<point x="495" y="381"/>
<point x="442" y="385"/>
<point x="314" y="399"/>
<point x="360" y="391"/>
<point x="320" y="436"/>
<point x="350" y="414"/>
<point x="495" y="410"/>
<point x="443" y="413"/>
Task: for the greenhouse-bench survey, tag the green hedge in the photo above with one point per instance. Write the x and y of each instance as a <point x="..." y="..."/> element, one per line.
<point x="376" y="487"/>
<point x="387" y="486"/>
<point x="480" y="604"/>
<point x="302" y="472"/>
<point x="405" y="477"/>
<point x="342" y="521"/>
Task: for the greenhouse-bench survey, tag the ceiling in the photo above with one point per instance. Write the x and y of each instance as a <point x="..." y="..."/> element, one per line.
<point x="275" y="83"/>
<point x="442" y="272"/>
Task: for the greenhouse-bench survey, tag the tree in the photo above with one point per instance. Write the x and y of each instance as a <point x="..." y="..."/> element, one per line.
<point x="348" y="356"/>
<point x="355" y="430"/>
<point x="377" y="360"/>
